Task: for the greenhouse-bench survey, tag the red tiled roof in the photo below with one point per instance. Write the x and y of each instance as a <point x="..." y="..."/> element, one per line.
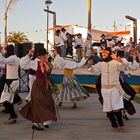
<point x="119" y="33"/>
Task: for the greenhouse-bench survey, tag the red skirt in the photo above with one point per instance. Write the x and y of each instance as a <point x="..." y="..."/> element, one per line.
<point x="41" y="108"/>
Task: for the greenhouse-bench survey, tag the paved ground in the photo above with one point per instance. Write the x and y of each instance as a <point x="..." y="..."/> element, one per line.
<point x="88" y="122"/>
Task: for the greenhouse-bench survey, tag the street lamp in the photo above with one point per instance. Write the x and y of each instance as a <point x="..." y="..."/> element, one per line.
<point x="134" y="27"/>
<point x="47" y="3"/>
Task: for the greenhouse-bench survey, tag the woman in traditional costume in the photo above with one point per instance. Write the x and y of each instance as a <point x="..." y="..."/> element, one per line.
<point x="41" y="108"/>
<point x="71" y="89"/>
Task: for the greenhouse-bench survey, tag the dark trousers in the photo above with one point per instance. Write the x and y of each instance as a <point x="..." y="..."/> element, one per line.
<point x="112" y="119"/>
<point x="10" y="109"/>
<point x="69" y="50"/>
<point x="2" y="83"/>
<point x="118" y="115"/>
<point x="115" y="118"/>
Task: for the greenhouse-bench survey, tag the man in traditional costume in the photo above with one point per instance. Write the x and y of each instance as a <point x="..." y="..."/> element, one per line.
<point x="110" y="69"/>
<point x="12" y="82"/>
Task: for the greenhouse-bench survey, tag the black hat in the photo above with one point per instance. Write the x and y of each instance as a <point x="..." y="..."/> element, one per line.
<point x="108" y="49"/>
<point x="10" y="50"/>
<point x="79" y="34"/>
<point x="63" y="29"/>
<point x="120" y="53"/>
<point x="103" y="35"/>
<point x="67" y="33"/>
<point x="58" y="31"/>
<point x="42" y="51"/>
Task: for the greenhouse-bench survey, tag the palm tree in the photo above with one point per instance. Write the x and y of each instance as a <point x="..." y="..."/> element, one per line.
<point x="17" y="37"/>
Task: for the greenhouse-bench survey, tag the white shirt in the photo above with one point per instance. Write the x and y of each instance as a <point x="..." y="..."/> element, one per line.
<point x="69" y="64"/>
<point x="63" y="36"/>
<point x="79" y="41"/>
<point x="59" y="62"/>
<point x="2" y="66"/>
<point x="109" y="71"/>
<point x="132" y="66"/>
<point x="58" y="41"/>
<point x="27" y="63"/>
<point x="12" y="65"/>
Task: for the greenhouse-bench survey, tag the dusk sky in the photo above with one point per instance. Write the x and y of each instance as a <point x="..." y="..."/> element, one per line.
<point x="28" y="16"/>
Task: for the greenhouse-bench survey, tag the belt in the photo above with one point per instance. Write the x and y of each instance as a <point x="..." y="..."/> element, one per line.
<point x="68" y="72"/>
<point x="108" y="86"/>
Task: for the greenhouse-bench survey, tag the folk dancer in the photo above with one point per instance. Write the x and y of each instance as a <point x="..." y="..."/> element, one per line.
<point x="111" y="90"/>
<point x="25" y="64"/>
<point x="71" y="89"/>
<point x="41" y="108"/>
<point x="12" y="82"/>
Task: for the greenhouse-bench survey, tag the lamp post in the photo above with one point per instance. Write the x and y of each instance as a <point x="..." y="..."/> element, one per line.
<point x="134" y="27"/>
<point x="47" y="3"/>
<point x="54" y="23"/>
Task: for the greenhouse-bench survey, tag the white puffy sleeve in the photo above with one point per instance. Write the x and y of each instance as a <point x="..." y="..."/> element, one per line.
<point x="2" y="66"/>
<point x="9" y="60"/>
<point x="133" y="66"/>
<point x="96" y="69"/>
<point x="58" y="63"/>
<point x="83" y="61"/>
<point x="27" y="63"/>
<point x="34" y="64"/>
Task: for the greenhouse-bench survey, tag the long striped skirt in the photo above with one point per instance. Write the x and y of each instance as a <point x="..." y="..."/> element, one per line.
<point x="72" y="90"/>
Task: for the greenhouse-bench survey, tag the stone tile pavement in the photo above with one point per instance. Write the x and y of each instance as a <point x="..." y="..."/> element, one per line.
<point x="88" y="122"/>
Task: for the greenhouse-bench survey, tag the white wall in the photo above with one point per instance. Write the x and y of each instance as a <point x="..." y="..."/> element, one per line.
<point x="138" y="29"/>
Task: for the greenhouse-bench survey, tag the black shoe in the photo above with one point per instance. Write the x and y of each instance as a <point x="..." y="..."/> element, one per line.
<point x="37" y="127"/>
<point x="46" y="126"/>
<point x="11" y="121"/>
<point x="14" y="117"/>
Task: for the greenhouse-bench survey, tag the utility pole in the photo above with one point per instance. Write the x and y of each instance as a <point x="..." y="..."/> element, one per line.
<point x="89" y="15"/>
